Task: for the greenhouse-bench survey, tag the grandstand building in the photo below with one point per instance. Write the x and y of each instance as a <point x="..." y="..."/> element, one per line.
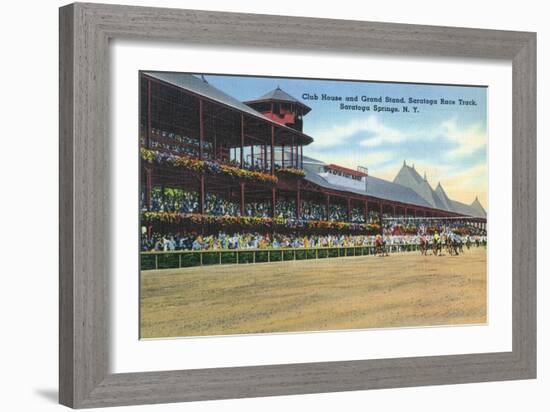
<point x="211" y="154"/>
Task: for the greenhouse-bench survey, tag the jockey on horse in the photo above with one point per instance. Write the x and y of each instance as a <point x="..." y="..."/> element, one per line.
<point x="437" y="244"/>
<point x="380" y="246"/>
<point x="424" y="244"/>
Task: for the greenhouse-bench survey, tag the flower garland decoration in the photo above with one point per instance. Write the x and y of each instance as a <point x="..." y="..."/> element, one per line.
<point x="201" y="219"/>
<point x="207" y="166"/>
<point x="291" y="171"/>
<point x="255" y="222"/>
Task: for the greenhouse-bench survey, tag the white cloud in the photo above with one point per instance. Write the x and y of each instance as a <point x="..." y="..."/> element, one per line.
<point x="465" y="185"/>
<point x="355" y="158"/>
<point x="466" y="139"/>
<point x="338" y="134"/>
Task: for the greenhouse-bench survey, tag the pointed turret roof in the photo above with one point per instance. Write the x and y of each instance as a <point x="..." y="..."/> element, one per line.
<point x="442" y="196"/>
<point x="279" y="95"/>
<point x="410" y="178"/>
<point x="477" y="206"/>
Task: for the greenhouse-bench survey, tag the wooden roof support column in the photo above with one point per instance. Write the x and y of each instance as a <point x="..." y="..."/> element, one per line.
<point x="148" y="187"/>
<point x="366" y="211"/>
<point x="201" y="128"/>
<point x="149" y="122"/>
<point x="381" y="218"/>
<point x="273" y="201"/>
<point x="349" y="209"/>
<point x="328" y="207"/>
<point x="242" y="140"/>
<point x="298" y="200"/>
<point x="272" y="165"/>
<point x="201" y="194"/>
<point x="292" y="153"/>
<point x="242" y="200"/>
<point x="301" y="157"/>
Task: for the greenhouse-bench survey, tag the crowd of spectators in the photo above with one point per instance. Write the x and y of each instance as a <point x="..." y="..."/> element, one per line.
<point x="182" y="201"/>
<point x="257" y="209"/>
<point x="183" y="145"/>
<point x="312" y="210"/>
<point x="255" y="240"/>
<point x="218" y="206"/>
<point x="172" y="200"/>
<point x="285" y="209"/>
<point x="357" y="215"/>
<point x="338" y="212"/>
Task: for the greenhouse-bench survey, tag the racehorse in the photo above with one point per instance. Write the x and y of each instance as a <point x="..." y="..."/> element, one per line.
<point x="380" y="246"/>
<point x="424" y="245"/>
<point x="436" y="247"/>
<point x="455" y="244"/>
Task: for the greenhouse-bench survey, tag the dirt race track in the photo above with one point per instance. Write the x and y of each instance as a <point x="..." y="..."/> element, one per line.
<point x="339" y="293"/>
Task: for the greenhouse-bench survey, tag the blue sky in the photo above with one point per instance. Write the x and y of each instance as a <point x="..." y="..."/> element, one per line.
<point x="448" y="142"/>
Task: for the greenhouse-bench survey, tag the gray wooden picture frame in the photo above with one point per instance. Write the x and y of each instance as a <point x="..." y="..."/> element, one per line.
<point x="85" y="31"/>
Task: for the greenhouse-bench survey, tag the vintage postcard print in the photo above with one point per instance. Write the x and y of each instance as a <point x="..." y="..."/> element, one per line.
<point x="276" y="205"/>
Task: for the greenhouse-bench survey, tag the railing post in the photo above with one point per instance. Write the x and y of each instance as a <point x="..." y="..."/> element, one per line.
<point x="156" y="261"/>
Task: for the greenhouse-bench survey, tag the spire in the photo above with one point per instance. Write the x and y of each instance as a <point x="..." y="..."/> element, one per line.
<point x="404" y="163"/>
<point x="478" y="207"/>
<point x="425" y="177"/>
<point x="413" y="167"/>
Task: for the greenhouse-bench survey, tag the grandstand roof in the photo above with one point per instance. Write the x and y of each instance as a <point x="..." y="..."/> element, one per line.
<point x="375" y="187"/>
<point x="201" y="87"/>
<point x="409" y="188"/>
